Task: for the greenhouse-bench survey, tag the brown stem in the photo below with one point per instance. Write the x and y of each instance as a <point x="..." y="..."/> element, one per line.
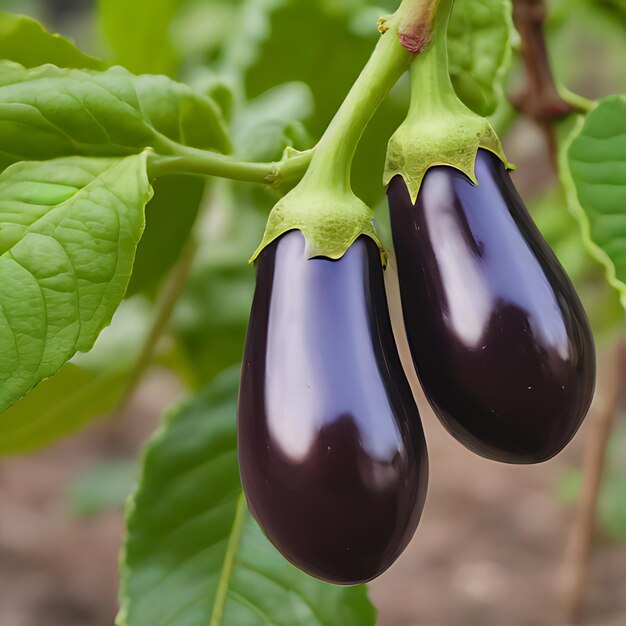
<point x="578" y="554"/>
<point x="539" y="99"/>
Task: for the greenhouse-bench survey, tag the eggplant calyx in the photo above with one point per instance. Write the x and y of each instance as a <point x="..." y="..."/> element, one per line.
<point x="330" y="221"/>
<point x="450" y="137"/>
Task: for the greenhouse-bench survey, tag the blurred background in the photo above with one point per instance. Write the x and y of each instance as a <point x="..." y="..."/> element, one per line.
<point x="493" y="542"/>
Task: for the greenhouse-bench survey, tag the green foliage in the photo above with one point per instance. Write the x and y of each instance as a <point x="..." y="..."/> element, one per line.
<point x="278" y="51"/>
<point x="212" y="316"/>
<point x="58" y="407"/>
<point x="145" y="46"/>
<point x="272" y="121"/>
<point x="26" y="41"/>
<point x="594" y="170"/>
<point x="479" y="45"/>
<point x="170" y="217"/>
<point x="70" y="229"/>
<point x="562" y="231"/>
<point x="193" y="553"/>
<point x="612" y="498"/>
<point x="49" y="112"/>
<point x="88" y="387"/>
<point x="105" y="485"/>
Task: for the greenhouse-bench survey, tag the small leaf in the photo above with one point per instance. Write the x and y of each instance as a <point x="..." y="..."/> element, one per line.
<point x="479" y="47"/>
<point x="26" y="41"/>
<point x="49" y="112"/>
<point x="68" y="233"/>
<point x="58" y="407"/>
<point x="193" y="554"/>
<point x="146" y="47"/>
<point x="593" y="166"/>
<point x="272" y="121"/>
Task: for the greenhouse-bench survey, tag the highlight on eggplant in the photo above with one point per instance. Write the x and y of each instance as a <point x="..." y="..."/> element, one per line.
<point x="499" y="338"/>
<point x="331" y="449"/>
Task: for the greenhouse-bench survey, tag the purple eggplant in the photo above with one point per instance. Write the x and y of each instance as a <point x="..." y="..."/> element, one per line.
<point x="331" y="449"/>
<point x="498" y="336"/>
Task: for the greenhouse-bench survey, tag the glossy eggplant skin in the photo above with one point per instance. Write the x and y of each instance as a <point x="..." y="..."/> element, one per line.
<point x="331" y="449"/>
<point x="498" y="336"/>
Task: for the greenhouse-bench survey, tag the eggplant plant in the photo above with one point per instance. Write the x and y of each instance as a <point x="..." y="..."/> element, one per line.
<point x="146" y="185"/>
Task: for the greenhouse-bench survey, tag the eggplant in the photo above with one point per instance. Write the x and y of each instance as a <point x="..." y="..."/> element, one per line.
<point x="499" y="339"/>
<point x="332" y="454"/>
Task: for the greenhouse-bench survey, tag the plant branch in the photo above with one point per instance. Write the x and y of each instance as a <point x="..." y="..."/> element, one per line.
<point x="540" y="99"/>
<point x="181" y="159"/>
<point x="578" y="554"/>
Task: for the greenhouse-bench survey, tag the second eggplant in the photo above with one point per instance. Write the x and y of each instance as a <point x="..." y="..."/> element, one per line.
<point x="498" y="336"/>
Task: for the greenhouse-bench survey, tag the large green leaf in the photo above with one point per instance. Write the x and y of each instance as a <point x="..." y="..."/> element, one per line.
<point x="26" y="41"/>
<point x="193" y="555"/>
<point x="68" y="233"/>
<point x="138" y="32"/>
<point x="49" y="112"/>
<point x="593" y="166"/>
<point x="87" y="387"/>
<point x="479" y="46"/>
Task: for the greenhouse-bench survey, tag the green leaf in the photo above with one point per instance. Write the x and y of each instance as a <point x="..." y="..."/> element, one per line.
<point x="193" y="554"/>
<point x="26" y="41"/>
<point x="68" y="233"/>
<point x="170" y="217"/>
<point x="479" y="47"/>
<point x="273" y="121"/>
<point x="593" y="167"/>
<point x="49" y="112"/>
<point x="86" y="388"/>
<point x="563" y="234"/>
<point x="58" y="407"/>
<point x="138" y="32"/>
<point x="106" y="485"/>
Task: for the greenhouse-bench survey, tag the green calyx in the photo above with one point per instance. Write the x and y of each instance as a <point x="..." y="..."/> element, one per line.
<point x="439" y="129"/>
<point x="450" y="137"/>
<point x="329" y="221"/>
